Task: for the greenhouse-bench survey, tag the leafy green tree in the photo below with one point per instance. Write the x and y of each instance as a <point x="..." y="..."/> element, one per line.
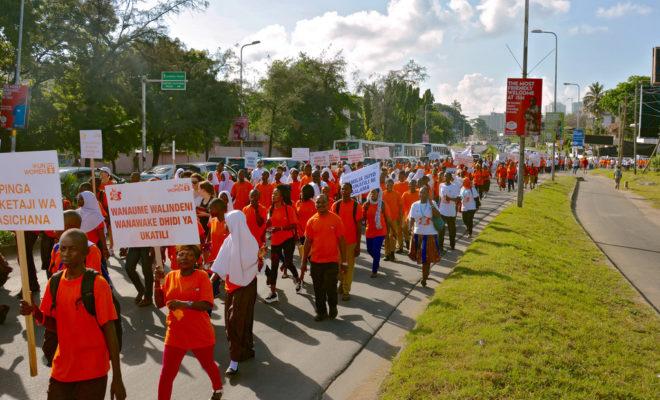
<point x="592" y="104"/>
<point x="615" y="97"/>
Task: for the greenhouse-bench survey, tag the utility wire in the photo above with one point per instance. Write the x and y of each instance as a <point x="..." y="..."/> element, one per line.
<point x="543" y="59"/>
<point x="514" y="57"/>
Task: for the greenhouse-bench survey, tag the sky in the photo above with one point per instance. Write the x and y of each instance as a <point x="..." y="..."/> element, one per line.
<point x="462" y="43"/>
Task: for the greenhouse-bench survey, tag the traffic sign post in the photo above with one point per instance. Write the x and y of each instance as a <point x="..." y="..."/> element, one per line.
<point x="173" y="80"/>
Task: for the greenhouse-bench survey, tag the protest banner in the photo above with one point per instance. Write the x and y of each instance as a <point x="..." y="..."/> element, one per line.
<point x="30" y="200"/>
<point x="320" y="158"/>
<point x="335" y="156"/>
<point x="434" y="155"/>
<point x="363" y="180"/>
<point x="462" y="157"/>
<point x="382" y="153"/>
<point x="91" y="146"/>
<point x="251" y="159"/>
<point x="151" y="214"/>
<point x="523" y="107"/>
<point x="300" y="153"/>
<point x="355" y="156"/>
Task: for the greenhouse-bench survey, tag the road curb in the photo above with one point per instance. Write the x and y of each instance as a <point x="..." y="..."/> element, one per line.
<point x="574" y="197"/>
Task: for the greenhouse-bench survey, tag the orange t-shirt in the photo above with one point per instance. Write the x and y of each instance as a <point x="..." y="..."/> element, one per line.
<point x="265" y="194"/>
<point x="305" y="210"/>
<point x="93" y="260"/>
<point x="333" y="189"/>
<point x="240" y="192"/>
<point x="401" y="187"/>
<point x="501" y="172"/>
<point x="281" y="217"/>
<point x="478" y="177"/>
<point x="393" y="203"/>
<point x="304" y="180"/>
<point x="408" y="199"/>
<point x="218" y="232"/>
<point x="188" y="328"/>
<point x="511" y="172"/>
<point x="346" y="215"/>
<point x="82" y="353"/>
<point x="295" y="191"/>
<point x="324" y="231"/>
<point x="369" y="212"/>
<point x="251" y="218"/>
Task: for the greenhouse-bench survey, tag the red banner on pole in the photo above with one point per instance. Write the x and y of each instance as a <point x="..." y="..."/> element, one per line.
<point x="240" y="130"/>
<point x="523" y="107"/>
<point x="14" y="106"/>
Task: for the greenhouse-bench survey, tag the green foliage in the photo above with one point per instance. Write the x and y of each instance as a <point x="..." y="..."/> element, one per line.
<point x="7" y="238"/>
<point x="531" y="313"/>
<point x="613" y="97"/>
<point x="592" y="104"/>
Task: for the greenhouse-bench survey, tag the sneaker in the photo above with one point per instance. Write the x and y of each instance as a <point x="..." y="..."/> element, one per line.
<point x="298" y="286"/>
<point x="231" y="372"/>
<point x="216" y="395"/>
<point x="271" y="298"/>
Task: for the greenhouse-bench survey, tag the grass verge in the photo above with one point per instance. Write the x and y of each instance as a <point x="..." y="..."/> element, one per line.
<point x="532" y="311"/>
<point x="646" y="185"/>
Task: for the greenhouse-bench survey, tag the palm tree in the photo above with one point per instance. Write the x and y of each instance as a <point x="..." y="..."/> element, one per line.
<point x="592" y="104"/>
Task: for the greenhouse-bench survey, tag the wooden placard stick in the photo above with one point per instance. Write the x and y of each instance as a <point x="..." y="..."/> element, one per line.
<point x="27" y="296"/>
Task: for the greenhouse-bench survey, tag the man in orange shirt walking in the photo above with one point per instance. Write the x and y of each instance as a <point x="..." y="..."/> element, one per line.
<point x="394" y="211"/>
<point x="407" y="200"/>
<point x="240" y="192"/>
<point x="350" y="213"/>
<point x="324" y="248"/>
<point x="88" y="343"/>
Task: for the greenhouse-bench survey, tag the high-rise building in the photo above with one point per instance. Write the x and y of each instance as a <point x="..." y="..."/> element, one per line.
<point x="577" y="105"/>
<point x="494" y="121"/>
<point x="561" y="107"/>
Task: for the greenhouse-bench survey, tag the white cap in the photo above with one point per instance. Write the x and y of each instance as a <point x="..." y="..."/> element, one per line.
<point x="106" y="170"/>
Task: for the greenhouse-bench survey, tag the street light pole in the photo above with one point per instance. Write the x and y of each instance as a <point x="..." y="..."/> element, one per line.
<point x="521" y="149"/>
<point x="577" y="124"/>
<point x="240" y="83"/>
<point x="554" y="106"/>
<point x="17" y="75"/>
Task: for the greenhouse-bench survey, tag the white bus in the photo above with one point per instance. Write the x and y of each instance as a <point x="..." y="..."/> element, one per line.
<point x="367" y="146"/>
<point x="440" y="148"/>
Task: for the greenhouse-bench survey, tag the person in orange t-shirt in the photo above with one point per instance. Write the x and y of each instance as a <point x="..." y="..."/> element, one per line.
<point x="500" y="172"/>
<point x="217" y="228"/>
<point x="407" y="200"/>
<point x="402" y="185"/>
<point x="283" y="225"/>
<point x="265" y="189"/>
<point x="188" y="294"/>
<point x="307" y="175"/>
<point x="511" y="176"/>
<point x="255" y="215"/>
<point x="394" y="208"/>
<point x="325" y="247"/>
<point x="305" y="208"/>
<point x="350" y="212"/>
<point x="376" y="221"/>
<point x="72" y="220"/>
<point x="88" y="343"/>
<point x="240" y="192"/>
<point x="295" y="185"/>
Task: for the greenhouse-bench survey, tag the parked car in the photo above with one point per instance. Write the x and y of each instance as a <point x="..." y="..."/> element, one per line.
<point x="236" y="163"/>
<point x="166" y="171"/>
<point x="82" y="174"/>
<point x="206" y="167"/>
<point x="273" y="162"/>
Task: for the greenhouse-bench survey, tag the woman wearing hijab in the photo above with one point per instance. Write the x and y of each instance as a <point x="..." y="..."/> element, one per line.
<point x="226" y="183"/>
<point x="177" y="174"/>
<point x="424" y="246"/>
<point x="376" y="222"/>
<point x="468" y="196"/>
<point x="237" y="264"/>
<point x="93" y="224"/>
<point x="226" y="197"/>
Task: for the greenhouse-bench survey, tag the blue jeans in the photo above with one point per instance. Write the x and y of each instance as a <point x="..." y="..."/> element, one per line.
<point x="374" y="245"/>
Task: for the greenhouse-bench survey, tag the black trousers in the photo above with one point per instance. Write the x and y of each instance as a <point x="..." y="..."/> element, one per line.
<point x="283" y="252"/>
<point x="468" y="220"/>
<point x="324" y="279"/>
<point x="45" y="248"/>
<point x="93" y="389"/>
<point x="450" y="225"/>
<point x="511" y="184"/>
<point x="30" y="239"/>
<point x="142" y="255"/>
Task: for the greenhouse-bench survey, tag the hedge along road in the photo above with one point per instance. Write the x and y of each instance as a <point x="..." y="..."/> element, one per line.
<point x="296" y="358"/>
<point x="532" y="310"/>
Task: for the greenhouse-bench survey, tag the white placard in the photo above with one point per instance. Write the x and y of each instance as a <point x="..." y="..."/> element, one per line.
<point x="355" y="156"/>
<point x="251" y="159"/>
<point x="148" y="214"/>
<point x="91" y="144"/>
<point x="382" y="153"/>
<point x="364" y="179"/>
<point x="464" y="157"/>
<point x="300" y="153"/>
<point x="320" y="158"/>
<point x="30" y="192"/>
<point x="434" y="155"/>
<point x="335" y="156"/>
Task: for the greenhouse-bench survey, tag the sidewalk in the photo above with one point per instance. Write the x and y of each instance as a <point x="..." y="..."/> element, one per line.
<point x="626" y="229"/>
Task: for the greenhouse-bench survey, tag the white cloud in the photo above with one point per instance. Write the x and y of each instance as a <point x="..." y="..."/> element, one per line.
<point x="463" y="8"/>
<point x="497" y="15"/>
<point x="622" y="9"/>
<point x="478" y="94"/>
<point x="586" y="29"/>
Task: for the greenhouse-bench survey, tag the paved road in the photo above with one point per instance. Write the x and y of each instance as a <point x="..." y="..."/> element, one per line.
<point x="297" y="358"/>
<point x="626" y="230"/>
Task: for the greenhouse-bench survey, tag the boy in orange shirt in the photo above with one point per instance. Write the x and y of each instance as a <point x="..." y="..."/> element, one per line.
<point x="265" y="189"/>
<point x="72" y="220"/>
<point x="394" y="211"/>
<point x="88" y="343"/>
<point x="240" y="192"/>
<point x="402" y="185"/>
<point x="407" y="200"/>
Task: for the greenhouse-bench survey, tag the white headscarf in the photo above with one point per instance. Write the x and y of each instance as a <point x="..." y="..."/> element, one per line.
<point x="411" y="177"/>
<point x="226" y="184"/>
<point x="418" y="174"/>
<point x="379" y="207"/>
<point x="230" y="202"/>
<point x="331" y="177"/>
<point x="238" y="256"/>
<point x="90" y="212"/>
<point x="178" y="173"/>
<point x="347" y="169"/>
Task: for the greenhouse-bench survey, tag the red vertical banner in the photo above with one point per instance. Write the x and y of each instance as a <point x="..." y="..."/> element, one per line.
<point x="240" y="130"/>
<point x="14" y="106"/>
<point x="523" y="107"/>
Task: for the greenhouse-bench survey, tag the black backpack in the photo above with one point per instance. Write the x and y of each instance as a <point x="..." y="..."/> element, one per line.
<point x="87" y="297"/>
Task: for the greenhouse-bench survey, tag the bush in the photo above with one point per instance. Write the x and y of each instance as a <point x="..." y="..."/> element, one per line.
<point x="6" y="238"/>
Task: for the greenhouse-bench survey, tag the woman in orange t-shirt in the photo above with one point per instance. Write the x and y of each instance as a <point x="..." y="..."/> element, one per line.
<point x="283" y="225"/>
<point x="188" y="294"/>
<point x="240" y="192"/>
<point x="305" y="208"/>
<point x="376" y="221"/>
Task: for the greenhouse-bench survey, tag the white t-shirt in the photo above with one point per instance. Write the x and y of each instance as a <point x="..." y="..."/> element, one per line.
<point x="448" y="208"/>
<point x="468" y="195"/>
<point x="422" y="214"/>
<point x="256" y="175"/>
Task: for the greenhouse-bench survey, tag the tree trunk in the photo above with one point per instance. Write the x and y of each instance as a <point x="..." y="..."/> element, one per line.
<point x="114" y="165"/>
<point x="156" y="151"/>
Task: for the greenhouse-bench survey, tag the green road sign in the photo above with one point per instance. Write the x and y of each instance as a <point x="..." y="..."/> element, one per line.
<point x="173" y="80"/>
